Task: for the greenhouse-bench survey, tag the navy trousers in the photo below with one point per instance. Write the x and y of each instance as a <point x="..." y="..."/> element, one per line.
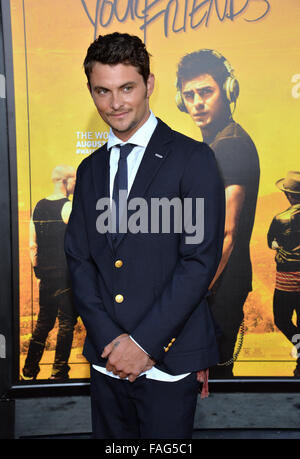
<point x="143" y="409"/>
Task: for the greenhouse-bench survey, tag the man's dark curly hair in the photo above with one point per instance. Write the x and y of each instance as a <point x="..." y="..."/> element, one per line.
<point x="118" y="48"/>
<point x="200" y="62"/>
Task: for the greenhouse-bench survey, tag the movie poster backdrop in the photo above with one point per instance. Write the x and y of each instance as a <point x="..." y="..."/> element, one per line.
<point x="57" y="126"/>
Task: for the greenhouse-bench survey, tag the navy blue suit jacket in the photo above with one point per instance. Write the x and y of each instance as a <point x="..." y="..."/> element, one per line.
<point x="164" y="280"/>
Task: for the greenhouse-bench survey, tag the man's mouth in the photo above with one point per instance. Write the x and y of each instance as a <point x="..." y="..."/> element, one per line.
<point x="200" y="115"/>
<point x="118" y="115"/>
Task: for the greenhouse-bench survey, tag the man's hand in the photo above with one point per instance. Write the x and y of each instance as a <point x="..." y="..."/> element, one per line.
<point x="125" y="358"/>
<point x="108" y="349"/>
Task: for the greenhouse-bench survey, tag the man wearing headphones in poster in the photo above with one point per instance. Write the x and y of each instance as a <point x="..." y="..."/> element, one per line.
<point x="206" y="89"/>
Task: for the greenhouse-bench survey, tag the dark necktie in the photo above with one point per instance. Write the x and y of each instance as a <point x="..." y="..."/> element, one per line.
<point x="121" y="181"/>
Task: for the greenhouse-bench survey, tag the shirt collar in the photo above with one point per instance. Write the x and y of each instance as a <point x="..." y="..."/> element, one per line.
<point x="141" y="137"/>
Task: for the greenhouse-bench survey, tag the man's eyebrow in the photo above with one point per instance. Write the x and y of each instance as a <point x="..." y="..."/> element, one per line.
<point x="120" y="87"/>
<point x="128" y="84"/>
<point x="208" y="86"/>
<point x="95" y="88"/>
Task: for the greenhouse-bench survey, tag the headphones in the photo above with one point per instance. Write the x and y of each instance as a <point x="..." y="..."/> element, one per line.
<point x="231" y="86"/>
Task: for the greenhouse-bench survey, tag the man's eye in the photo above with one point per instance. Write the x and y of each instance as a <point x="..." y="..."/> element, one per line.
<point x="206" y="91"/>
<point x="127" y="88"/>
<point x="189" y="95"/>
<point x="101" y="91"/>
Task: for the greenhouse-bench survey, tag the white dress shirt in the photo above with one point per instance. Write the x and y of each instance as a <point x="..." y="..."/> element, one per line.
<point x="141" y="139"/>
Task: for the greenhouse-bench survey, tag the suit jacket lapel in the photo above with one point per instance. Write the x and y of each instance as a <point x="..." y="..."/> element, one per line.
<point x="155" y="154"/>
<point x="100" y="172"/>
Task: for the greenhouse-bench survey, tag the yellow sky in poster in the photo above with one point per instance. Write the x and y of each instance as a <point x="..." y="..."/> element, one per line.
<point x="264" y="54"/>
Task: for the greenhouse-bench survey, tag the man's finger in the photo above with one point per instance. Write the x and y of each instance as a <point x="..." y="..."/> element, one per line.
<point x="107" y="350"/>
<point x="132" y="377"/>
<point x="110" y="346"/>
<point x="109" y="367"/>
<point x="122" y="374"/>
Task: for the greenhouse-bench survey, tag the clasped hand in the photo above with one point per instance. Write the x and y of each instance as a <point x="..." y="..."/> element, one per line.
<point x="125" y="358"/>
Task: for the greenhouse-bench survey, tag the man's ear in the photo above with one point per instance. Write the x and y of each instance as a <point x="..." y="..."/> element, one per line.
<point x="150" y="84"/>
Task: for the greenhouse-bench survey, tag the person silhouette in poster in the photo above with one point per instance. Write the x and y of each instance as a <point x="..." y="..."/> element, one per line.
<point x="284" y="237"/>
<point x="207" y="90"/>
<point x="47" y="231"/>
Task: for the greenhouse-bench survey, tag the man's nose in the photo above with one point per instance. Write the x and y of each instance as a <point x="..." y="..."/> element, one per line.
<point x="198" y="100"/>
<point x="116" y="101"/>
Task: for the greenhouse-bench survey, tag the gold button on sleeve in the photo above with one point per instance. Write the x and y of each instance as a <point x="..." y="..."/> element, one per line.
<point x="119" y="298"/>
<point x="118" y="263"/>
<point x="168" y="347"/>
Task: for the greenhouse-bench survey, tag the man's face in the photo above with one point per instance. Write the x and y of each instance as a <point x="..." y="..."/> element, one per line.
<point x="204" y="100"/>
<point x="121" y="97"/>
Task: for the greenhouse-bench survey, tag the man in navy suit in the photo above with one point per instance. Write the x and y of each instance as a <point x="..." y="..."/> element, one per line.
<point x="141" y="291"/>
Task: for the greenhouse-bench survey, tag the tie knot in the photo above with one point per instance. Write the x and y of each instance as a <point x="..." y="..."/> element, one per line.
<point x="125" y="150"/>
